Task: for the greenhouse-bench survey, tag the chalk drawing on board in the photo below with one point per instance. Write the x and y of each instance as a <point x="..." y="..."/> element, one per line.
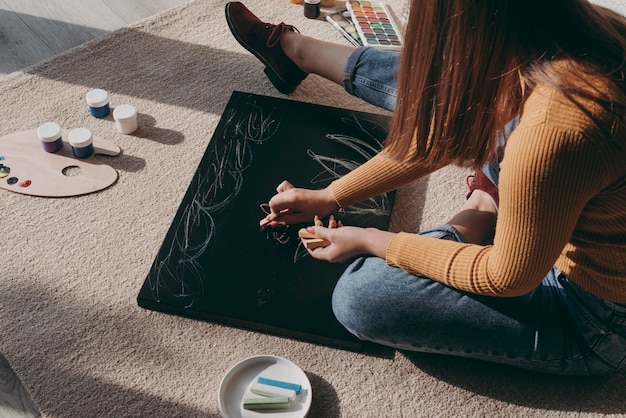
<point x="215" y="265"/>
<point x="214" y="192"/>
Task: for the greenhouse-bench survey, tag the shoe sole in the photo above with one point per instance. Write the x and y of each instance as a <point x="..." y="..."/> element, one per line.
<point x="282" y="86"/>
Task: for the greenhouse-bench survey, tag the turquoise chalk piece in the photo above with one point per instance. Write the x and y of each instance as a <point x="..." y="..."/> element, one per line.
<point x="269" y="390"/>
<point x="280" y="384"/>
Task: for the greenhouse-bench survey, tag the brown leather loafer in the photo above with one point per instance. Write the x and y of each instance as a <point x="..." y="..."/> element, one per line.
<point x="480" y="181"/>
<point x="263" y="41"/>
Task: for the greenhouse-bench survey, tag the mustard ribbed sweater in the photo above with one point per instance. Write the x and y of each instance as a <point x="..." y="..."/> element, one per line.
<point x="562" y="202"/>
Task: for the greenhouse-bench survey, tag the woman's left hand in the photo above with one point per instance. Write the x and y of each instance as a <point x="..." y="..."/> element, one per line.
<point x="347" y="242"/>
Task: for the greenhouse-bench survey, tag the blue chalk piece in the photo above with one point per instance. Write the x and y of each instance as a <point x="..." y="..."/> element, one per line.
<point x="280" y="384"/>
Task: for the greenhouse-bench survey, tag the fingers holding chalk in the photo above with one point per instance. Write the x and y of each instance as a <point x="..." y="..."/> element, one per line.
<point x="312" y="241"/>
<point x="285" y="185"/>
<point x="332" y="222"/>
<point x="272" y="220"/>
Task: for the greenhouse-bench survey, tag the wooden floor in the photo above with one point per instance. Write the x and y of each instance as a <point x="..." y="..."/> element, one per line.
<point x="32" y="31"/>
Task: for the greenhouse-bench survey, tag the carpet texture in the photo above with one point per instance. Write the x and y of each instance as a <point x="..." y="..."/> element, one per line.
<point x="72" y="267"/>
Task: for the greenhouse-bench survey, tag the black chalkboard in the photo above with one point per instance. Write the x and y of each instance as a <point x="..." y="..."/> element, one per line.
<point x="216" y="265"/>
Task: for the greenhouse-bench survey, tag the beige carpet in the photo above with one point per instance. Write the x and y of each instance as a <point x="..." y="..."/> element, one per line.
<point x="71" y="268"/>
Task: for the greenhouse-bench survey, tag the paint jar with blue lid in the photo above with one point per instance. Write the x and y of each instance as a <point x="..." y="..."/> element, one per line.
<point x="50" y="136"/>
<point x="98" y="101"/>
<point x="81" y="141"/>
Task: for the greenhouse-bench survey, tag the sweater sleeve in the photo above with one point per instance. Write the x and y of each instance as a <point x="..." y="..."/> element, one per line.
<point x="549" y="172"/>
<point x="379" y="175"/>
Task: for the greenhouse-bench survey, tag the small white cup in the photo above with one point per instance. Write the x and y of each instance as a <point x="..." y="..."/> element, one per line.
<point x="125" y="119"/>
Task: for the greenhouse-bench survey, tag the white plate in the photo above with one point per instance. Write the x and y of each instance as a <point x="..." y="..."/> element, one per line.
<point x="236" y="385"/>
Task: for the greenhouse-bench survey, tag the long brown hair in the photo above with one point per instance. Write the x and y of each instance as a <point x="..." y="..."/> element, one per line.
<point x="468" y="65"/>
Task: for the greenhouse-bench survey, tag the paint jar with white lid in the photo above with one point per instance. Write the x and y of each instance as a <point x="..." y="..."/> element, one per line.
<point x="50" y="136"/>
<point x="125" y="118"/>
<point x="312" y="9"/>
<point x="98" y="101"/>
<point x="81" y="141"/>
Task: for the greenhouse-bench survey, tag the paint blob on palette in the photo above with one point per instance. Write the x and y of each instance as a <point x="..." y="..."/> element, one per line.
<point x="375" y="25"/>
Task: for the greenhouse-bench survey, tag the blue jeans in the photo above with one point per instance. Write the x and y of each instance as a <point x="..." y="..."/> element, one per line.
<point x="370" y="74"/>
<point x="557" y="328"/>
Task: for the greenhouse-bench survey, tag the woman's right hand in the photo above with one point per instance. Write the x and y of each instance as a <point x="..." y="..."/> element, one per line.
<point x="293" y="205"/>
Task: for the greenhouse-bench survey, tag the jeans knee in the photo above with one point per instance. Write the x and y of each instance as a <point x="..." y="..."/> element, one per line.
<point x="352" y="299"/>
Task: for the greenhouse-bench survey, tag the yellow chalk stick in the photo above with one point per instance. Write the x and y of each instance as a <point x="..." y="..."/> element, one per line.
<point x="311" y="243"/>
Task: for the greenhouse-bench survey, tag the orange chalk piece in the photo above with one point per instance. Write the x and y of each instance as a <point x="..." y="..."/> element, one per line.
<point x="264" y="223"/>
<point x="312" y="241"/>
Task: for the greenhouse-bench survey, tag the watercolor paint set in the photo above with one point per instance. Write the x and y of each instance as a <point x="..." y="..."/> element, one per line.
<point x="375" y="24"/>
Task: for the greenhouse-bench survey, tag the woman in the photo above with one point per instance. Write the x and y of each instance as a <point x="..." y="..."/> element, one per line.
<point x="531" y="273"/>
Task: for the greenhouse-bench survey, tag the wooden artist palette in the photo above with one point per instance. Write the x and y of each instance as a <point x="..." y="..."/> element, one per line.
<point x="36" y="172"/>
